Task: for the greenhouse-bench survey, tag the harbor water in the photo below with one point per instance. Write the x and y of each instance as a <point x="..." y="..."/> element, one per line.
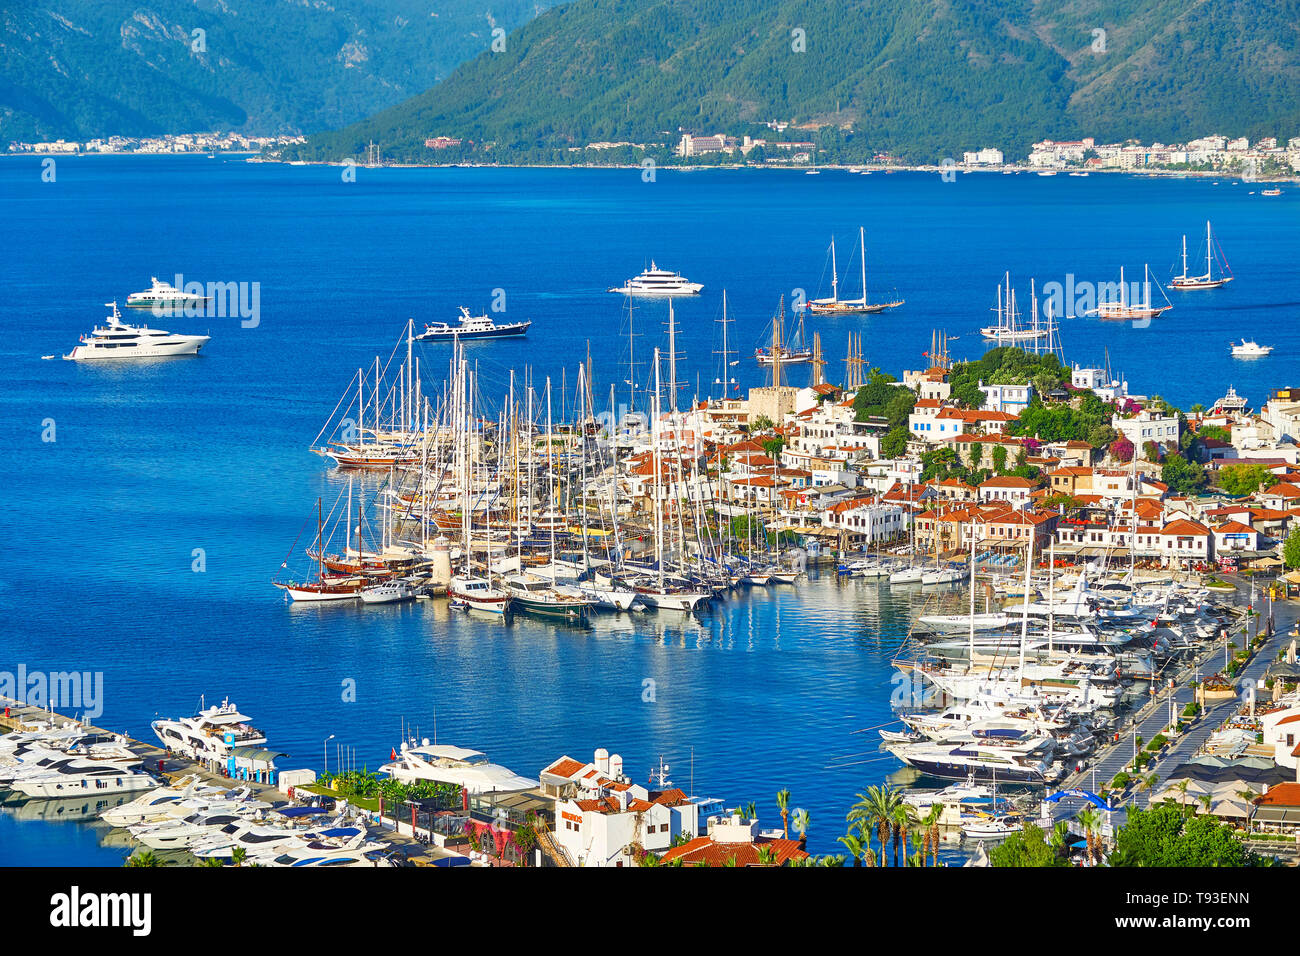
<point x="150" y="504"/>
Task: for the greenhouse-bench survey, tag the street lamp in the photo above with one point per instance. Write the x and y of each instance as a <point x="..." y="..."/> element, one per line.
<point x="325" y="747"/>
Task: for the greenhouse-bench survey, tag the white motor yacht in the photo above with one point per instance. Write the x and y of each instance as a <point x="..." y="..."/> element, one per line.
<point x="1025" y="760"/>
<point x="163" y="296"/>
<point x="1250" y="349"/>
<point x="390" y="592"/>
<point x="116" y="341"/>
<point x="469" y="769"/>
<point x="203" y="737"/>
<point x="466" y="590"/>
<point x="658" y="282"/>
<point x="472" y="327"/>
<point x="80" y="778"/>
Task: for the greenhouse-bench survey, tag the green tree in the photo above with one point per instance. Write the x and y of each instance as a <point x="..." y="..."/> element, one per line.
<point x="1182" y="476"/>
<point x="783" y="804"/>
<point x="1244" y="479"/>
<point x="1029" y="848"/>
<point x="876" y="810"/>
<point x="1166" y="836"/>
<point x="1000" y="458"/>
<point x="894" y="444"/>
<point x="1291" y="549"/>
<point x="801" y="819"/>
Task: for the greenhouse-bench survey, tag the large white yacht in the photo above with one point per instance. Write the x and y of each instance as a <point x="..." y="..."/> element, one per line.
<point x="1010" y="759"/>
<point x="83" y="777"/>
<point x="165" y="296"/>
<point x="116" y="340"/>
<point x="658" y="282"/>
<point x="468" y="769"/>
<point x="210" y="734"/>
<point x="472" y="327"/>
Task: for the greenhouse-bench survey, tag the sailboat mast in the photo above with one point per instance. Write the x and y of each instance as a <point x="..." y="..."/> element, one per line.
<point x="672" y="359"/>
<point x="835" y="277"/>
<point x="1209" y="255"/>
<point x="550" y="468"/>
<point x="655" y="456"/>
<point x="862" y="243"/>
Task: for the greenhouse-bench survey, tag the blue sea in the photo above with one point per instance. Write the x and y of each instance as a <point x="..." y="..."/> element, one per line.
<point x="151" y="462"/>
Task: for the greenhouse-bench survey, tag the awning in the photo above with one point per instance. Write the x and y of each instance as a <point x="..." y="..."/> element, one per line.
<point x="260" y="754"/>
<point x="1289" y="816"/>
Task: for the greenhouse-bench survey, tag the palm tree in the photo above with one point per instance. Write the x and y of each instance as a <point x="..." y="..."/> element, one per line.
<point x="767" y="855"/>
<point x="211" y="861"/>
<point x="237" y="855"/>
<point x="751" y="810"/>
<point x="904" y="817"/>
<point x="144" y="858"/>
<point x="1089" y="819"/>
<point x="783" y="804"/>
<point x="802" y="818"/>
<point x="1061" y="838"/>
<point x="931" y="822"/>
<point x="876" y="809"/>
<point x="730" y="861"/>
<point x="854" y="846"/>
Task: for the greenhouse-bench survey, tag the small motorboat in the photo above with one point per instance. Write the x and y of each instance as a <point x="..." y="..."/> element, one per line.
<point x="1250" y="349"/>
<point x="992" y="828"/>
<point x="389" y="592"/>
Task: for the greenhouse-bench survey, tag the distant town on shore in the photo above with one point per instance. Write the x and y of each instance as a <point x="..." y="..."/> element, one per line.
<point x="1266" y="157"/>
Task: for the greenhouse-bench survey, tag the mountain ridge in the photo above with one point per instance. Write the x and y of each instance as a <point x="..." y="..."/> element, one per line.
<point x="918" y="78"/>
<point x="78" y="69"/>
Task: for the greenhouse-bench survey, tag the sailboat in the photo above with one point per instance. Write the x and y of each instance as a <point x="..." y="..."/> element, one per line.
<point x="1008" y="331"/>
<point x="468" y="589"/>
<point x="798" y="352"/>
<point x="1208" y="280"/>
<point x="837" y="306"/>
<point x="322" y="588"/>
<point x="1124" y="309"/>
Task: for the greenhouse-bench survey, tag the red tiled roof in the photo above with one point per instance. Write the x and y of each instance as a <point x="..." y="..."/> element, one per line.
<point x="1184" y="527"/>
<point x="1008" y="481"/>
<point x="702" y="850"/>
<point x="1280" y="795"/>
<point x="1234" y="527"/>
<point x="564" y="767"/>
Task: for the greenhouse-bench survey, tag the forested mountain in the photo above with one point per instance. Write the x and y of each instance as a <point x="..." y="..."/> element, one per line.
<point x="921" y="78"/>
<point x="83" y="68"/>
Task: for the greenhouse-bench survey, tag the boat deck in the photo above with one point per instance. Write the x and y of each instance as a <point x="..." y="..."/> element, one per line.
<point x="172" y="767"/>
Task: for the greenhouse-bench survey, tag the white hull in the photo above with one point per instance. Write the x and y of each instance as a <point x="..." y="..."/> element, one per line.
<point x="173" y="345"/>
<point x="309" y="596"/>
<point x="688" y="288"/>
<point x="963" y="622"/>
<point x="673" y="601"/>
<point x="128" y="782"/>
<point x="907" y="576"/>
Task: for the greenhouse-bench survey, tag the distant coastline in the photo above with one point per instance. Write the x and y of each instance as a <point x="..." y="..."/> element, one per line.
<point x="855" y="168"/>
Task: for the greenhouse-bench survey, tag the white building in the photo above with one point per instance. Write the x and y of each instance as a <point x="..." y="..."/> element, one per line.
<point x="603" y="819"/>
<point x="984" y="157"/>
<point x="1098" y="381"/>
<point x="1013" y="399"/>
<point x="1147" y="425"/>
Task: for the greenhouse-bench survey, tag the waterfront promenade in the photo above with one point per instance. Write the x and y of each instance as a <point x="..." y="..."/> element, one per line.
<point x="1154" y="716"/>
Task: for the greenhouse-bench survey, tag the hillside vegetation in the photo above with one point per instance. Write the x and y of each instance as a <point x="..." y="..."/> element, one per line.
<point x="922" y="79"/>
<point x="77" y="69"/>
